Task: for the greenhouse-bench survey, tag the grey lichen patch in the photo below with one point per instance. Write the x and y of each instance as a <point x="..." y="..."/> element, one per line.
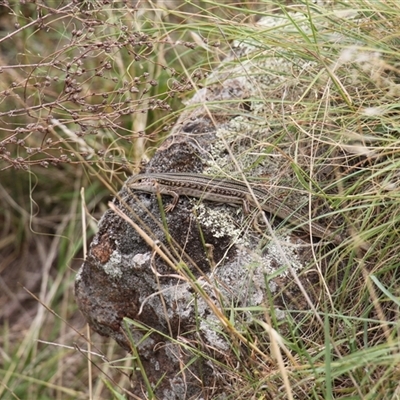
<point x="177" y="391"/>
<point x="140" y="260"/>
<point x="279" y="314"/>
<point x="242" y="281"/>
<point x="220" y="223"/>
<point x="211" y="328"/>
<point x="145" y="344"/>
<point x="180" y="298"/>
<point x="243" y="287"/>
<point x="281" y="254"/>
<point x="113" y="266"/>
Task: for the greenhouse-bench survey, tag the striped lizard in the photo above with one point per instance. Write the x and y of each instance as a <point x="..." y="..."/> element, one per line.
<point x="227" y="192"/>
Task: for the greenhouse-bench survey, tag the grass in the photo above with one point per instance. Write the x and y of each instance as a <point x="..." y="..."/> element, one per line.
<point x="87" y="90"/>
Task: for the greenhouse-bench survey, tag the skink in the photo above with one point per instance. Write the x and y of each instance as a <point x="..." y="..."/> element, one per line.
<point x="224" y="191"/>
